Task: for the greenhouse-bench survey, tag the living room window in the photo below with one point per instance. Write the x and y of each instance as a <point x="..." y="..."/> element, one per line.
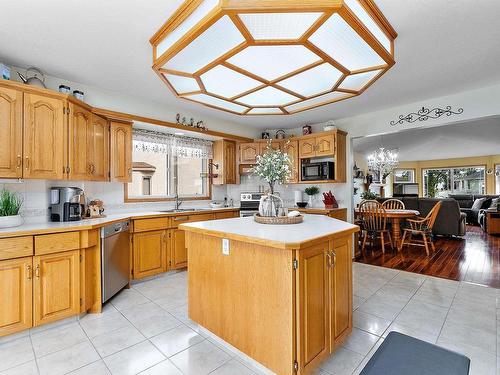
<point x="441" y="182"/>
<point x="164" y="165"/>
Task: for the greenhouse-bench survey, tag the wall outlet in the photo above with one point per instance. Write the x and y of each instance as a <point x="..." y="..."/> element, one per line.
<point x="225" y="246"/>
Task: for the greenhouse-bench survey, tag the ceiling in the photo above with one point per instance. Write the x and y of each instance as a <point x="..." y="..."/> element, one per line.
<point x="476" y="138"/>
<point x="443" y="47"/>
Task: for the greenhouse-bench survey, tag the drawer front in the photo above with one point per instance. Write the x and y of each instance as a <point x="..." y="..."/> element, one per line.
<point x="158" y="223"/>
<point x="226" y="215"/>
<point x="54" y="243"/>
<point x="16" y="247"/>
<point x="182" y="219"/>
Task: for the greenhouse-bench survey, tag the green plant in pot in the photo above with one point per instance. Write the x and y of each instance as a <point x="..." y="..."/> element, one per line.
<point x="368" y="195"/>
<point x="10" y="205"/>
<point x="311" y="191"/>
<point x="275" y="167"/>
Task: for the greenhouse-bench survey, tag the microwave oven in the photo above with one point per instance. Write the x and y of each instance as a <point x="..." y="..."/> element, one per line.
<point x="318" y="171"/>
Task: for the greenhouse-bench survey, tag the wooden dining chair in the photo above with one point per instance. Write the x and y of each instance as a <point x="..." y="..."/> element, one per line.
<point x="374" y="224"/>
<point x="393" y="204"/>
<point x="421" y="227"/>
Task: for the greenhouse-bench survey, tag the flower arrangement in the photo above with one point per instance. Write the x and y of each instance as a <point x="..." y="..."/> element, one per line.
<point x="274" y="166"/>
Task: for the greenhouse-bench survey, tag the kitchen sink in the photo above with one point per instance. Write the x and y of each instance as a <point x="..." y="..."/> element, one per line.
<point x="186" y="210"/>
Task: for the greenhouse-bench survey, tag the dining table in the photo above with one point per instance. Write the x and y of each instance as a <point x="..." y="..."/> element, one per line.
<point x="395" y="217"/>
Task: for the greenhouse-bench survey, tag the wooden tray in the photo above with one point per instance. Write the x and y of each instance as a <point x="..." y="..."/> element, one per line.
<point x="279" y="220"/>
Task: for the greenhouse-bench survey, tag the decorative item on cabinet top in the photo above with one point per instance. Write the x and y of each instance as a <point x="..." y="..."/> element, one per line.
<point x="199" y="125"/>
<point x="31" y="77"/>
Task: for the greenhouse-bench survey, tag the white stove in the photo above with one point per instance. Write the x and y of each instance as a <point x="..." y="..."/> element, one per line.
<point x="249" y="205"/>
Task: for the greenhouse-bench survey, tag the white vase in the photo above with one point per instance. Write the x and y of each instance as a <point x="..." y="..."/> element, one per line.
<point x="270" y="205"/>
<point x="11" y="221"/>
<point x="310" y="204"/>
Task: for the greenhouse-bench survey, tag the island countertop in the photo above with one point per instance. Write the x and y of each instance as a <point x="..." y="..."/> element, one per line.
<point x="293" y="236"/>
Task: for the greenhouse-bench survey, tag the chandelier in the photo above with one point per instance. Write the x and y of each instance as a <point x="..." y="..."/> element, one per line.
<point x="272" y="57"/>
<point x="384" y="161"/>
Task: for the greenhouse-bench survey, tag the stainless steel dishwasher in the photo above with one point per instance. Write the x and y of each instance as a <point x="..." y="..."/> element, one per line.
<point x="115" y="258"/>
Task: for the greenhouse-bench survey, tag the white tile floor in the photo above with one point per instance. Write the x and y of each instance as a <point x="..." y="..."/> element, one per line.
<point x="146" y="330"/>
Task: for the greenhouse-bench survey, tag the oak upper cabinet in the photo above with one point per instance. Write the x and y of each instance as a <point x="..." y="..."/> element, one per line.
<point x="56" y="286"/>
<point x="149" y="253"/>
<point x="340" y="274"/>
<point x="44" y="137"/>
<point x="121" y="151"/>
<point x="325" y="145"/>
<point x="291" y="148"/>
<point x="249" y="152"/>
<point x="11" y="133"/>
<point x="80" y="136"/>
<point x="99" y="148"/>
<point x="178" y="251"/>
<point x="225" y="158"/>
<point x="275" y="145"/>
<point x="313" y="314"/>
<point x="16" y="295"/>
<point x="307" y="148"/>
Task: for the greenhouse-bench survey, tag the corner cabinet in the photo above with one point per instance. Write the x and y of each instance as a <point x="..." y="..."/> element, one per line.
<point x="16" y="288"/>
<point x="121" y="151"/>
<point x="11" y="133"/>
<point x="44" y="137"/>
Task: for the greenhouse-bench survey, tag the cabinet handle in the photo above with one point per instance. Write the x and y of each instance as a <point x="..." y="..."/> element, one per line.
<point x="29" y="272"/>
<point x="334" y="257"/>
<point x="181" y="218"/>
<point x="130" y="171"/>
<point x="37" y="271"/>
<point x="93" y="168"/>
<point x="329" y="260"/>
<point x="19" y="161"/>
<point x="27" y="159"/>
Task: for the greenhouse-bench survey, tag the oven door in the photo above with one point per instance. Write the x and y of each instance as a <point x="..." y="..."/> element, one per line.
<point x="312" y="172"/>
<point x="248" y="213"/>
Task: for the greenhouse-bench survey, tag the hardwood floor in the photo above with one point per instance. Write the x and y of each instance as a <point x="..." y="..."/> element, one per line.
<point x="474" y="258"/>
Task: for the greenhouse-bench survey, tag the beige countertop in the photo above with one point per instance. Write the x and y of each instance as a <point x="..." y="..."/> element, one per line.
<point x="291" y="236"/>
<point x="87" y="224"/>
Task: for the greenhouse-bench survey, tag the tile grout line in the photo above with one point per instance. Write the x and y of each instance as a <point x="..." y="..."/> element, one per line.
<point x="34" y="354"/>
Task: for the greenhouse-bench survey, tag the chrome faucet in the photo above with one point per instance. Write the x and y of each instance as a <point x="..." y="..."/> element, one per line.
<point x="177" y="201"/>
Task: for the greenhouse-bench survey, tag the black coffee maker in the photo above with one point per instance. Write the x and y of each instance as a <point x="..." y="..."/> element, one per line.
<point x="67" y="204"/>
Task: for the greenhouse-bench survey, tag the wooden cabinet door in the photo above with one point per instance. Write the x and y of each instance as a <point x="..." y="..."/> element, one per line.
<point x="121" y="152"/>
<point x="15" y="295"/>
<point x="229" y="162"/>
<point x="56" y="286"/>
<point x="307" y="148"/>
<point x="150" y="253"/>
<point x="312" y="306"/>
<point x="99" y="149"/>
<point x="44" y="137"/>
<point x="292" y="150"/>
<point x="325" y="145"/>
<point x="340" y="294"/>
<point x="80" y="134"/>
<point x="275" y="145"/>
<point x="11" y="133"/>
<point x="178" y="250"/>
<point x="248" y="152"/>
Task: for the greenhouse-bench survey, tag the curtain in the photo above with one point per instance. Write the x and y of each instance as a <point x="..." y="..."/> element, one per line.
<point x="182" y="147"/>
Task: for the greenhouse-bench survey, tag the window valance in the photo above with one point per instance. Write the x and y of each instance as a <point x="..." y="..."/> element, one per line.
<point x="182" y="147"/>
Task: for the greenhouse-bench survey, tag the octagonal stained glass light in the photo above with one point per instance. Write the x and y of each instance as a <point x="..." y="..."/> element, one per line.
<point x="272" y="57"/>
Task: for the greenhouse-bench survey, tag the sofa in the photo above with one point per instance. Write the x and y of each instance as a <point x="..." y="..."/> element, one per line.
<point x="450" y="221"/>
<point x="475" y="215"/>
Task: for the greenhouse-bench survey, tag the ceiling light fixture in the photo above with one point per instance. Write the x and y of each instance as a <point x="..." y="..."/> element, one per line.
<point x="272" y="57"/>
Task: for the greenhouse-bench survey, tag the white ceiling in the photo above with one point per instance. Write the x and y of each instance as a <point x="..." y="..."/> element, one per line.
<point x="477" y="138"/>
<point x="443" y="47"/>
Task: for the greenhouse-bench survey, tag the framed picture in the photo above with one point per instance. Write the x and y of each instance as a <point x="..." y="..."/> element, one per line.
<point x="404" y="175"/>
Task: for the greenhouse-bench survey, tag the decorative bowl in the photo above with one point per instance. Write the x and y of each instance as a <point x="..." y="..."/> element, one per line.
<point x="11" y="221"/>
<point x="302" y="204"/>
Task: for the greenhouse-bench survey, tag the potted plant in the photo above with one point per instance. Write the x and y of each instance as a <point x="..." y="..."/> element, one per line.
<point x="311" y="191"/>
<point x="368" y="195"/>
<point x="275" y="167"/>
<point x="10" y="205"/>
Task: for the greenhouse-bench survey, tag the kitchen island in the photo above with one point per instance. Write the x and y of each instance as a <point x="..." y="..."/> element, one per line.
<point x="281" y="294"/>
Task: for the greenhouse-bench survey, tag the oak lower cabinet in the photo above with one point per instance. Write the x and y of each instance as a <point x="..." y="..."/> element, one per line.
<point x="325" y="313"/>
<point x="149" y="253"/>
<point x="16" y="287"/>
<point x="178" y="250"/>
<point x="56" y="286"/>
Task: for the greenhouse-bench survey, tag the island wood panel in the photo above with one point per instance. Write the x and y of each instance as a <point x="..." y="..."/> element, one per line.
<point x="11" y="133"/>
<point x="248" y="313"/>
<point x="15" y="295"/>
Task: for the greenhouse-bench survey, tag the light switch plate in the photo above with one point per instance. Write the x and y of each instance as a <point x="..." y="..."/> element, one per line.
<point x="225" y="246"/>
